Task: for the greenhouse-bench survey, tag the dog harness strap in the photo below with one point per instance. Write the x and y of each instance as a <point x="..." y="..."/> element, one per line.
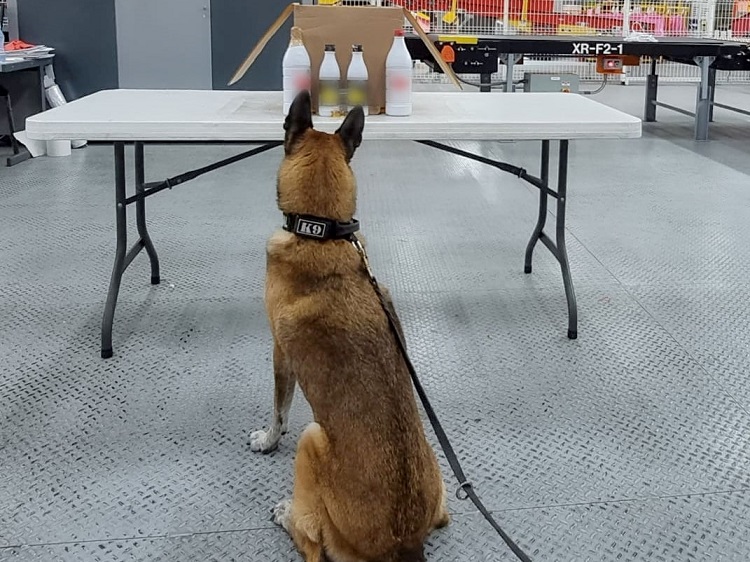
<point x="319" y="228"/>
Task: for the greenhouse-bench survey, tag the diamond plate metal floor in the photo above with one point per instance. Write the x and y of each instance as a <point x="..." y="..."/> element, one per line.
<point x="631" y="443"/>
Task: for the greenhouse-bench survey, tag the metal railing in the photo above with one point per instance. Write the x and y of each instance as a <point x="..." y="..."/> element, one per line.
<point x="723" y="19"/>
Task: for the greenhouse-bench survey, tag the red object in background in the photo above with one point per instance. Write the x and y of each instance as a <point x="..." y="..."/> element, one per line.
<point x="492" y="8"/>
<point x="741" y="26"/>
<point x="17" y="45"/>
<point x="539" y="12"/>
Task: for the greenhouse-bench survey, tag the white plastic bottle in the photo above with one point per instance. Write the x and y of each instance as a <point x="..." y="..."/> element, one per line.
<point x="329" y="83"/>
<point x="398" y="78"/>
<point x="356" y="81"/>
<point x="295" y="68"/>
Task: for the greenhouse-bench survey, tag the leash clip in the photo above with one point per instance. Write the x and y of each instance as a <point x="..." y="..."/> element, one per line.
<point x="462" y="493"/>
<point x="362" y="254"/>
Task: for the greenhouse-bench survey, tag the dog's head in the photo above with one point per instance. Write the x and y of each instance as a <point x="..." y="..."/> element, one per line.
<point x="315" y="177"/>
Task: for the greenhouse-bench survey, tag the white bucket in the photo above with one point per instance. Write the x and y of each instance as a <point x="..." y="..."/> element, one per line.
<point x="58" y="148"/>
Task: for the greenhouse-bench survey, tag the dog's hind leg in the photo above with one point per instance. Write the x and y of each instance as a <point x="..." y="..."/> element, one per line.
<point x="301" y="516"/>
<point x="442" y="517"/>
<point x="284" y="382"/>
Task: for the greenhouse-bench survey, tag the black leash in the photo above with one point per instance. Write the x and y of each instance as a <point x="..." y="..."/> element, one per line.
<point x="465" y="490"/>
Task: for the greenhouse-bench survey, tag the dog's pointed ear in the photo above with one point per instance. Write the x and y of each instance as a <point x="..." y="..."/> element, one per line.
<point x="298" y="120"/>
<point x="351" y="131"/>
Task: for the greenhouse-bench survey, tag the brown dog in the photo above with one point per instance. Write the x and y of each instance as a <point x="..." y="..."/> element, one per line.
<point x="367" y="486"/>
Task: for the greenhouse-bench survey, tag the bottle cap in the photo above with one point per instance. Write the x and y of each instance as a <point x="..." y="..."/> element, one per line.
<point x="296" y="35"/>
<point x="357" y="48"/>
<point x="330" y="47"/>
<point x="398" y="33"/>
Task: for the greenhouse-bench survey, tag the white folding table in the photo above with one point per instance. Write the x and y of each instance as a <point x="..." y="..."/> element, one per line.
<point x="185" y="116"/>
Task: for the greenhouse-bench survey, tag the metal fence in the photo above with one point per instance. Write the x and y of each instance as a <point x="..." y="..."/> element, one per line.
<point x="725" y="19"/>
<point x="675" y="18"/>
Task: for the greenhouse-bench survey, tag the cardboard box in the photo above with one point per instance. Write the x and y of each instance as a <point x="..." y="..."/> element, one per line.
<point x="370" y="26"/>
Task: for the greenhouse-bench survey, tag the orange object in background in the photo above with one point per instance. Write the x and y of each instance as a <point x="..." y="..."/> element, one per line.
<point x="18" y="45"/>
<point x="448" y="54"/>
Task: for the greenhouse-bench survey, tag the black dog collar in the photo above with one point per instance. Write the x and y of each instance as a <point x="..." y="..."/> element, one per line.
<point x="317" y="228"/>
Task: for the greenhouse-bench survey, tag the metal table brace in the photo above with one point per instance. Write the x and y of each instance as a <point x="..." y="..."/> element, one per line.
<point x="143" y="189"/>
<point x="558" y="247"/>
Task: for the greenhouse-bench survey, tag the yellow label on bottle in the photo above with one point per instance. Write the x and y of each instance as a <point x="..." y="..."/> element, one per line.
<point x="328" y="93"/>
<point x="357" y="93"/>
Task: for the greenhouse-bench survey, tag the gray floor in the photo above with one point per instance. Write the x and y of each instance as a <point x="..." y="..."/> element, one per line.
<point x="631" y="443"/>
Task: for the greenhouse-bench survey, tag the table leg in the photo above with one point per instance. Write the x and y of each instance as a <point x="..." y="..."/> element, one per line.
<point x="558" y="247"/>
<point x="20" y="154"/>
<point x="652" y="85"/>
<point x="562" y="252"/>
<point x="485" y="82"/>
<point x="123" y="256"/>
<point x="510" y="62"/>
<point x="122" y="240"/>
<point x="711" y="93"/>
<point x="542" y="219"/>
<point x="140" y="213"/>
<point x="703" y="101"/>
<point x="42" y="90"/>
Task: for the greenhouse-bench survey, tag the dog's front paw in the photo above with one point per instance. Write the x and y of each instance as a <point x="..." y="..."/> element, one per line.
<point x="264" y="441"/>
<point x="282" y="512"/>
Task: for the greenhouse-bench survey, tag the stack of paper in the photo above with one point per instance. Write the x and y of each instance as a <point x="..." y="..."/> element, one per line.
<point x="35" y="52"/>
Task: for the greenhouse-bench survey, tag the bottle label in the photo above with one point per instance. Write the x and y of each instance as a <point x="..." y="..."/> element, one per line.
<point x="398" y="86"/>
<point x="301" y="80"/>
<point x="357" y="93"/>
<point x="328" y="93"/>
<point x="399" y="82"/>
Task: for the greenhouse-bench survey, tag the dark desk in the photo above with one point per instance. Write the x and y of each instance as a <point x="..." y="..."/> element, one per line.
<point x="23" y="81"/>
<point x="709" y="55"/>
<point x="12" y="66"/>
